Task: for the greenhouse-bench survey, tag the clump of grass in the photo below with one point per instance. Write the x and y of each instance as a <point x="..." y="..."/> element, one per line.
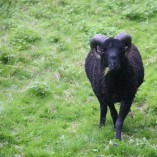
<point x="6" y="25"/>
<point x="40" y="89"/>
<point x="139" y="13"/>
<point x="22" y="38"/>
<point x="6" y="2"/>
<point x="7" y="56"/>
<point x="6" y="9"/>
<point x="135" y="16"/>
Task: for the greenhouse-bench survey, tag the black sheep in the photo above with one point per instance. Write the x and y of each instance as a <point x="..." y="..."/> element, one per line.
<point x="115" y="69"/>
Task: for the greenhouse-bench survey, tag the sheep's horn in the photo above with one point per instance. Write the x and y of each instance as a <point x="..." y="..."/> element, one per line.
<point x="126" y="39"/>
<point x="95" y="41"/>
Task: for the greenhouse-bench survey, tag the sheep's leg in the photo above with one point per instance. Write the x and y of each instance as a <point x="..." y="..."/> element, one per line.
<point x="103" y="111"/>
<point x="114" y="113"/>
<point x="124" y="110"/>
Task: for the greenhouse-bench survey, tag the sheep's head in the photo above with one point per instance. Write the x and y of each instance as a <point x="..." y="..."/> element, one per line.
<point x="111" y="51"/>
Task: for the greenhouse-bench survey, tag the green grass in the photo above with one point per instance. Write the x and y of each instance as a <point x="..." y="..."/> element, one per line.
<point x="47" y="106"/>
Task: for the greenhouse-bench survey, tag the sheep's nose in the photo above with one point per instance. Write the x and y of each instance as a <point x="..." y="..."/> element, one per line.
<point x="113" y="61"/>
<point x="114" y="64"/>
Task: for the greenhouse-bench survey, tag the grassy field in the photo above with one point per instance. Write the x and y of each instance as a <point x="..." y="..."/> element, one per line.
<point x="47" y="106"/>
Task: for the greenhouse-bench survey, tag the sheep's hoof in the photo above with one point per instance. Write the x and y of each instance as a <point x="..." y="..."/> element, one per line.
<point x="118" y="138"/>
<point x="101" y="124"/>
<point x="115" y="144"/>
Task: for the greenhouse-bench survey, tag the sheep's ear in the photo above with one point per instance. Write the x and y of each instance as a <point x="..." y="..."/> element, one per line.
<point x="95" y="43"/>
<point x="97" y="52"/>
<point x="99" y="49"/>
<point x="126" y="50"/>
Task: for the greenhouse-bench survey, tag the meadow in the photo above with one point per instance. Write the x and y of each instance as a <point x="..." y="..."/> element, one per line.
<point x="47" y="106"/>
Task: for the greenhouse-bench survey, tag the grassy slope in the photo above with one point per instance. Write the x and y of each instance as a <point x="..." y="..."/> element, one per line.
<point x="47" y="107"/>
